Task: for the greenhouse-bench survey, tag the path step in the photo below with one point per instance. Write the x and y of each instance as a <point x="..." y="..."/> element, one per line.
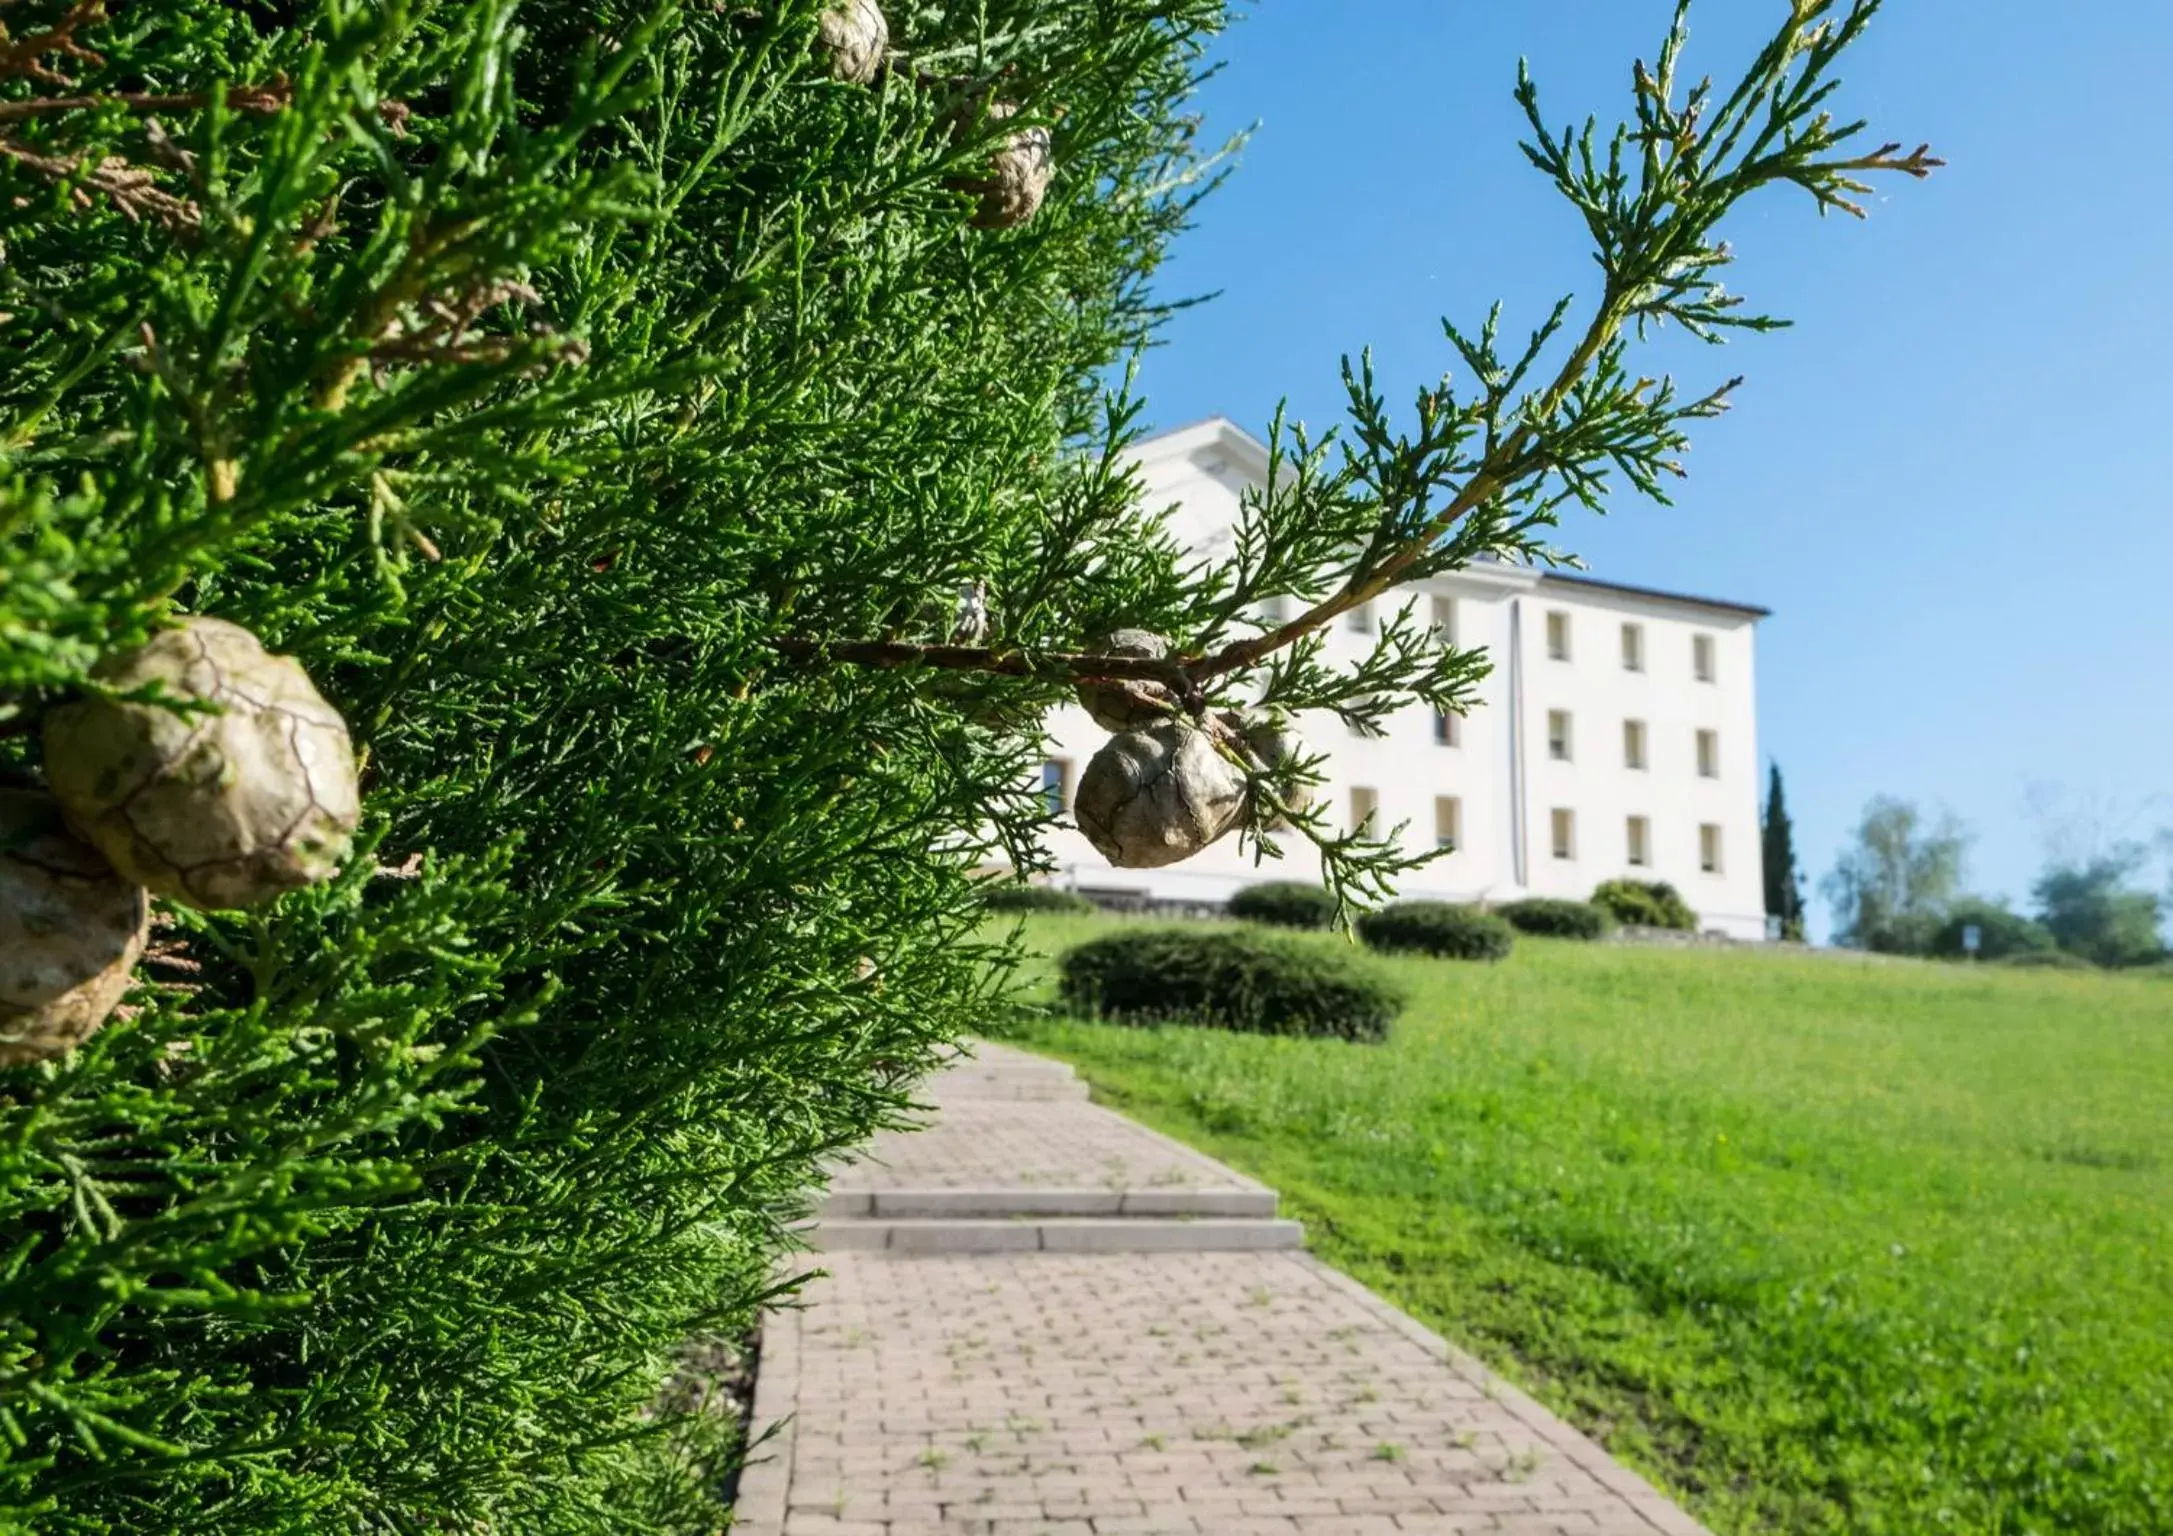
<point x="1010" y="1087"/>
<point x="1000" y="1073"/>
<point x="1006" y="1203"/>
<point x="1058" y="1234"/>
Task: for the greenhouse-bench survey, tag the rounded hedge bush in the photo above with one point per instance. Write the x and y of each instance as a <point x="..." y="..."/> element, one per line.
<point x="2045" y="960"/>
<point x="1255" y="983"/>
<point x="1033" y="898"/>
<point x="1437" y="928"/>
<point x="2000" y="933"/>
<point x="1550" y="917"/>
<point x="1645" y="904"/>
<point x="1284" y="904"/>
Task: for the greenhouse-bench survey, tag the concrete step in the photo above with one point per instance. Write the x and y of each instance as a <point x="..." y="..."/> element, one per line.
<point x="1039" y="1087"/>
<point x="997" y="1072"/>
<point x="1007" y="1203"/>
<point x="1088" y="1234"/>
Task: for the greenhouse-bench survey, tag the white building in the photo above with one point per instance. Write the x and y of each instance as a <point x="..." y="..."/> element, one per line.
<point x="1616" y="735"/>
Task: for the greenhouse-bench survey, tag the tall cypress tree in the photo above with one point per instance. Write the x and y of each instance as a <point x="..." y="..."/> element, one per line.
<point x="609" y="403"/>
<point x="1784" y="878"/>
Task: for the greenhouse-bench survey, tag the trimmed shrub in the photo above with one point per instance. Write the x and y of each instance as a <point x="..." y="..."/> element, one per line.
<point x="1645" y="904"/>
<point x="2045" y="960"/>
<point x="1034" y="898"/>
<point x="2000" y="933"/>
<point x="1438" y="928"/>
<point x="1284" y="904"/>
<point x="1551" y="918"/>
<point x="1255" y="983"/>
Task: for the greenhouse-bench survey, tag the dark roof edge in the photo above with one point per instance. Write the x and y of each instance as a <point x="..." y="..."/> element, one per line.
<point x="1721" y="605"/>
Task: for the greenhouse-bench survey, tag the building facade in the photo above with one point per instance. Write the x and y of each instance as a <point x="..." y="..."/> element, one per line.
<point x="1616" y="735"/>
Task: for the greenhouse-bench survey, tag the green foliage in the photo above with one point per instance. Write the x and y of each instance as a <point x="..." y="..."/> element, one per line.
<point x="1553" y="918"/>
<point x="1439" y="928"/>
<point x="1645" y="904"/>
<point x="1892" y="885"/>
<point x="533" y="372"/>
<point x="1659" y="1189"/>
<point x="2000" y="933"/>
<point x="2092" y="911"/>
<point x="1228" y="979"/>
<point x="1033" y="898"/>
<point x="1777" y="842"/>
<point x="1285" y="904"/>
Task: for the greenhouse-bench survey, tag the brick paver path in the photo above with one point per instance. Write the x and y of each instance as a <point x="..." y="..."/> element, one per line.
<point x="1197" y="1394"/>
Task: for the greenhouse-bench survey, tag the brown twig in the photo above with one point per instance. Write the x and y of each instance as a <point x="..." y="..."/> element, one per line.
<point x="130" y="188"/>
<point x="275" y="97"/>
<point x="22" y="55"/>
<point x="1004" y="661"/>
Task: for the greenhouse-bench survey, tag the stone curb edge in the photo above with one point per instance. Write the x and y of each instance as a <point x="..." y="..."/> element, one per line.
<point x="764" y="1482"/>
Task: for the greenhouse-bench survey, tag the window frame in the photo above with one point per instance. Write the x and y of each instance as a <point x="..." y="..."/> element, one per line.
<point x="1454" y="805"/>
<point x="1562" y="833"/>
<point x="1562" y="745"/>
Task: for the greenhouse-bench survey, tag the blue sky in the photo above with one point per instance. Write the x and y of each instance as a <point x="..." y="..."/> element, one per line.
<point x="1948" y="480"/>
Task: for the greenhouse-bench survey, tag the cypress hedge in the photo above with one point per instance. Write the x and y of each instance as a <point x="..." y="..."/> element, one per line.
<point x="529" y="371"/>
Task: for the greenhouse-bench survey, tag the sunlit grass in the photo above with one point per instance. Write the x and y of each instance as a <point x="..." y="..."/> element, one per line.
<point x="1824" y="1244"/>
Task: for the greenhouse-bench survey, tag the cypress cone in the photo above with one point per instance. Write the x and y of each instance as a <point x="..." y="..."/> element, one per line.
<point x="225" y="806"/>
<point x="71" y="931"/>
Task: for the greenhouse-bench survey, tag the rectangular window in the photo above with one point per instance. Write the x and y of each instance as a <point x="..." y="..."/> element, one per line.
<point x="1565" y="833"/>
<point x="1448" y="821"/>
<point x="1640" y="841"/>
<point x="1701" y="657"/>
<point x="1633" y="744"/>
<point x="1557" y="635"/>
<point x="1445" y="619"/>
<point x="1448" y="729"/>
<point x="1558" y="735"/>
<point x="1056" y="784"/>
<point x="1708" y="754"/>
<point x="1633" y="647"/>
<point x="1364" y="802"/>
<point x="1709" y="848"/>
<point x="1360" y="619"/>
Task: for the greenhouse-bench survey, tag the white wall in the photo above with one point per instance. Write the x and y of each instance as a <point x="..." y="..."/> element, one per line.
<point x="1503" y="609"/>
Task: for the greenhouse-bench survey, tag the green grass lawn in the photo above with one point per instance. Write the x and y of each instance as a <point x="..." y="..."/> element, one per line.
<point x="1823" y="1245"/>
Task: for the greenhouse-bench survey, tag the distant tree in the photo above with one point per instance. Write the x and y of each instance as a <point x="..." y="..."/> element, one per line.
<point x="2093" y="911"/>
<point x="1893" y="884"/>
<point x="1784" y="879"/>
<point x="2001" y="932"/>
